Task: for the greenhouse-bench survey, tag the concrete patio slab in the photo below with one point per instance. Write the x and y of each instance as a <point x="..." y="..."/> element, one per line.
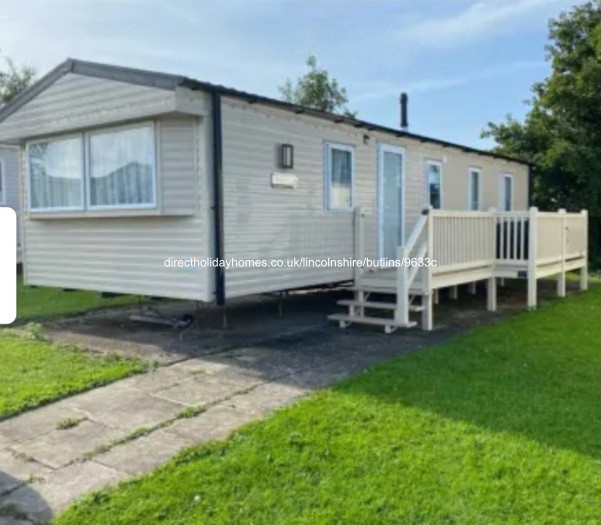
<point x="206" y="389"/>
<point x="123" y="408"/>
<point x="16" y="469"/>
<point x="143" y="455"/>
<point x="217" y="422"/>
<point x="266" y="398"/>
<point x="5" y="442"/>
<point x="157" y="379"/>
<point x="61" y="447"/>
<point x="36" y="422"/>
<point x="41" y="499"/>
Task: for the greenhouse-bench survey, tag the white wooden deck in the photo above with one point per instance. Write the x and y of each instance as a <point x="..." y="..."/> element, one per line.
<point x="468" y="247"/>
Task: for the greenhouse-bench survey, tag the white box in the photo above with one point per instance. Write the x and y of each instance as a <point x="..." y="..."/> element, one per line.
<point x="8" y="265"/>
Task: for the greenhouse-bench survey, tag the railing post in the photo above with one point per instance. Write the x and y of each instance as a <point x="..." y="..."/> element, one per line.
<point x="584" y="269"/>
<point x="427" y="292"/>
<point x="359" y="240"/>
<point x="532" y="244"/>
<point x="401" y="313"/>
<point x="561" y="278"/>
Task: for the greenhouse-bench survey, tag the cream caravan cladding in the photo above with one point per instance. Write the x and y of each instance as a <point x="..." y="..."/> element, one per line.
<point x="120" y="251"/>
<point x="244" y="217"/>
<point x="9" y="185"/>
<point x="265" y="222"/>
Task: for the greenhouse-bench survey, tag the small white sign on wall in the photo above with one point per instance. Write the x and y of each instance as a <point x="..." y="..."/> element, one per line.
<point x="284" y="180"/>
<point x="8" y="266"/>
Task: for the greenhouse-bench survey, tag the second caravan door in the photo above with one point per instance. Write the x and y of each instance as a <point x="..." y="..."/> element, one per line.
<point x="391" y="200"/>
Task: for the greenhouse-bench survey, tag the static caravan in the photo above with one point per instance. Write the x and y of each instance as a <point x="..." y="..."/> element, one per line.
<point x="137" y="182"/>
<point x="9" y="183"/>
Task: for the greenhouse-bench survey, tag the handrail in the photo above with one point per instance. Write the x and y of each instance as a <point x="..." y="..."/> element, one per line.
<point x="404" y="275"/>
<point x="417" y="231"/>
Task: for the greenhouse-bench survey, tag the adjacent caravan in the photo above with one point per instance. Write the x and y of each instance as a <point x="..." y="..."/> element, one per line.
<point x="127" y="172"/>
<point x="9" y="184"/>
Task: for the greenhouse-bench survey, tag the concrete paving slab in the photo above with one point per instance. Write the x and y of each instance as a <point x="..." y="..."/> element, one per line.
<point x="211" y="364"/>
<point x="30" y="424"/>
<point x="205" y="389"/>
<point x="217" y="422"/>
<point x="5" y="442"/>
<point x="124" y="407"/>
<point x="16" y="469"/>
<point x="266" y="398"/>
<point x="60" y="447"/>
<point x="145" y="453"/>
<point x="157" y="379"/>
<point x="41" y="500"/>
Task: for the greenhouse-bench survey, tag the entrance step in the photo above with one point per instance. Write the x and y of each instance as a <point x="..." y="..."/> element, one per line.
<point x="378" y="305"/>
<point x="389" y="324"/>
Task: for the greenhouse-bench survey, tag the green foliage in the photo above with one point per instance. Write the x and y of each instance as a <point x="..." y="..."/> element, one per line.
<point x="35" y="372"/>
<point x="561" y="131"/>
<point x="499" y="426"/>
<point x="69" y="422"/>
<point x="315" y="89"/>
<point x="14" y="79"/>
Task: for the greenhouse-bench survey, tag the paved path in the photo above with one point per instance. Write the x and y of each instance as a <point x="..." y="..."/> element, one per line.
<point x="44" y="468"/>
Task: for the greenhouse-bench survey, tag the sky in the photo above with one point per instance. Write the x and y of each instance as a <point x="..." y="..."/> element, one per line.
<point x="463" y="63"/>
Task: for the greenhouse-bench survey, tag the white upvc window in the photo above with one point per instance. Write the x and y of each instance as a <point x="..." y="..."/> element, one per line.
<point x="339" y="175"/>
<point x="121" y="168"/>
<point x="506" y="192"/>
<point x="2" y="184"/>
<point x="56" y="173"/>
<point x="474" y="188"/>
<point x="110" y="169"/>
<point x="434" y="184"/>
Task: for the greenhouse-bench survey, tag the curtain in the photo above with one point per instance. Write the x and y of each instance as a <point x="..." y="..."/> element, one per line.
<point x="434" y="186"/>
<point x="475" y="191"/>
<point x="341" y="167"/>
<point x="122" y="167"/>
<point x="56" y="169"/>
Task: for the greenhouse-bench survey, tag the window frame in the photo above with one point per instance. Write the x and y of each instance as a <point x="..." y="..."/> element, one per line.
<point x="328" y="147"/>
<point x="55" y="138"/>
<point x="428" y="163"/>
<point x="88" y="167"/>
<point x="470" y="186"/>
<point x="3" y="196"/>
<point x="84" y="137"/>
<point x="504" y="177"/>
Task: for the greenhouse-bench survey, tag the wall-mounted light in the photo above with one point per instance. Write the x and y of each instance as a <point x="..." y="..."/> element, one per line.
<point x="366" y="140"/>
<point x="287" y="156"/>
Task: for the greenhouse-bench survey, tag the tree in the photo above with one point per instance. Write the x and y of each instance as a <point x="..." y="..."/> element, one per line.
<point x="561" y="133"/>
<point x="315" y="89"/>
<point x="14" y="80"/>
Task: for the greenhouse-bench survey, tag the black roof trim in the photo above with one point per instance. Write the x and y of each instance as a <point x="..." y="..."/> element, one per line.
<point x="170" y="82"/>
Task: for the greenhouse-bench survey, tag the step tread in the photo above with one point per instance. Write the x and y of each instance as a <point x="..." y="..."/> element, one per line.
<point x="379" y="321"/>
<point x="376" y="304"/>
<point x="382" y="289"/>
<point x="368" y="304"/>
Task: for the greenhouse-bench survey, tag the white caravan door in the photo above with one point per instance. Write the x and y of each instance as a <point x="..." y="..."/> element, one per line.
<point x="391" y="200"/>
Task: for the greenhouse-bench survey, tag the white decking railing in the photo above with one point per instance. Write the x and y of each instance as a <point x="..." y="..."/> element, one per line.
<point x="473" y="246"/>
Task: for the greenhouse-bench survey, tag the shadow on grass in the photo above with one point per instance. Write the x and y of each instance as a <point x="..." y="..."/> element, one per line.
<point x="537" y="374"/>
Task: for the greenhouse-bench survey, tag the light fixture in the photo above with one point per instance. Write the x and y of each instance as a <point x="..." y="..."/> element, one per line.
<point x="366" y="140"/>
<point x="287" y="156"/>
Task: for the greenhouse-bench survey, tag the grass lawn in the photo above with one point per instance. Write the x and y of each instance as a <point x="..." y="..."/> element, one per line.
<point x="48" y="303"/>
<point x="499" y="426"/>
<point x="34" y="372"/>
